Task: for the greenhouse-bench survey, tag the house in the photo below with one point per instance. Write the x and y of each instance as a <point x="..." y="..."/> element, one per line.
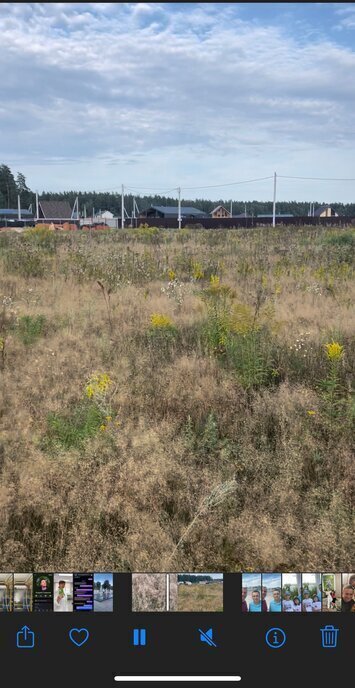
<point x="12" y="215"/>
<point x="325" y="211"/>
<point x="171" y="212"/>
<point x="220" y="211"/>
<point x="102" y="216"/>
<point x="56" y="211"/>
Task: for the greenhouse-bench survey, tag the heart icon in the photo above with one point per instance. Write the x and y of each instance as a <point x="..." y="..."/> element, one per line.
<point x="79" y="636"/>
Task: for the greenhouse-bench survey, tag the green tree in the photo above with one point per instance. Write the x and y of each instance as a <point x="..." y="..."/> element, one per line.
<point x="26" y="194"/>
<point x="8" y="188"/>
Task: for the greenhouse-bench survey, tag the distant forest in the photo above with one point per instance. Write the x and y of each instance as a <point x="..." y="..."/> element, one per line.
<point x="187" y="577"/>
<point x="10" y="187"/>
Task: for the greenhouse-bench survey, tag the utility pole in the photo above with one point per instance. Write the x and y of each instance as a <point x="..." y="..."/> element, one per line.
<point x="37" y="207"/>
<point x="274" y="203"/>
<point x="122" y="207"/>
<point x="231" y="208"/>
<point x="179" y="207"/>
<point x="19" y="206"/>
<point x="133" y="210"/>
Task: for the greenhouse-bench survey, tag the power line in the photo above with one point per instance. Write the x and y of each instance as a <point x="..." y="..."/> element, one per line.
<point x="186" y="188"/>
<point x="320" y="179"/>
<point x="215" y="186"/>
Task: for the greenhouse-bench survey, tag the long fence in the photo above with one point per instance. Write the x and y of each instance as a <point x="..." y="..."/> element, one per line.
<point x="234" y="222"/>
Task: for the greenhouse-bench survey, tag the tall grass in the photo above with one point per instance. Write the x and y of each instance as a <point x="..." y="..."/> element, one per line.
<point x="221" y="384"/>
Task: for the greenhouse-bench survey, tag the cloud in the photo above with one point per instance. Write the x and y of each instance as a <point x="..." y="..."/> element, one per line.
<point x="100" y="83"/>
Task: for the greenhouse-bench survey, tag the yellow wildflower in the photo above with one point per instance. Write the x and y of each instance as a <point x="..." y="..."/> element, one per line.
<point x="334" y="351"/>
<point x="159" y="320"/>
<point x="171" y="275"/>
<point x="102" y="427"/>
<point x="98" y="385"/>
<point x="214" y="281"/>
<point x="197" y="271"/>
<point x="311" y="412"/>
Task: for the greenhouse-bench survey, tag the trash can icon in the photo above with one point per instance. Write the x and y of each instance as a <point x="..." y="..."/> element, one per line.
<point x="329" y="636"/>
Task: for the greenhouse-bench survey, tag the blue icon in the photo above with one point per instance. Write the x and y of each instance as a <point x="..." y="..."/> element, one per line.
<point x="329" y="636"/>
<point x="25" y="638"/>
<point x="275" y="637"/>
<point x="139" y="636"/>
<point x="207" y="637"/>
<point x="79" y="636"/>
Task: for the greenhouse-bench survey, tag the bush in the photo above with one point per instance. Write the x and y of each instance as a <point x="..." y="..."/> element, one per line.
<point x="249" y="355"/>
<point x="70" y="430"/>
<point x="30" y="328"/>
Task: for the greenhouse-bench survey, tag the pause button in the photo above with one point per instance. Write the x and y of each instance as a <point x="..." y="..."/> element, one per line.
<point x="139" y="636"/>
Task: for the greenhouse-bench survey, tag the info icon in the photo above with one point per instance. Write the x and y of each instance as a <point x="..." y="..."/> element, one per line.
<point x="275" y="637"/>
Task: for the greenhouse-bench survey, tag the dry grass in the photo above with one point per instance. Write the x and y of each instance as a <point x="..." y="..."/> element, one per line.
<point x="192" y="408"/>
<point x="200" y="598"/>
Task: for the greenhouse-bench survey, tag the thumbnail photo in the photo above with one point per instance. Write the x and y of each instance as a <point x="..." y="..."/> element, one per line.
<point x="150" y="592"/>
<point x="348" y="592"/>
<point x="103" y="592"/>
<point x="83" y="592"/>
<point x="251" y="592"/>
<point x="43" y="592"/>
<point x="177" y="592"/>
<point x="291" y="592"/>
<point x="311" y="592"/>
<point x="200" y="592"/>
<point x="331" y="592"/>
<point x="6" y="592"/>
<point x="63" y="592"/>
<point x="23" y="592"/>
<point x="271" y="585"/>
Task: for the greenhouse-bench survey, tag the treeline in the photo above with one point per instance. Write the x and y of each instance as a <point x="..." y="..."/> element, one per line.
<point x="188" y="578"/>
<point x="92" y="201"/>
<point x="112" y="201"/>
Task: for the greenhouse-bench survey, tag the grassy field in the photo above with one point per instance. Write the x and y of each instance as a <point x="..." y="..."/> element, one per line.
<point x="200" y="598"/>
<point x="177" y="400"/>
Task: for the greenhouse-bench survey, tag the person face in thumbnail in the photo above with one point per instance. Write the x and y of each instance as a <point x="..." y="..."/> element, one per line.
<point x="276" y="595"/>
<point x="256" y="597"/>
<point x="347" y="599"/>
<point x="316" y="605"/>
<point x="244" y="593"/>
<point x="296" y="604"/>
<point x="263" y="600"/>
<point x="43" y="585"/>
<point x="287" y="605"/>
<point x="352" y="580"/>
<point x="61" y="591"/>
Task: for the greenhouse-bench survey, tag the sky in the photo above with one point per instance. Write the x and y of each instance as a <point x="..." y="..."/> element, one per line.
<point x="160" y="95"/>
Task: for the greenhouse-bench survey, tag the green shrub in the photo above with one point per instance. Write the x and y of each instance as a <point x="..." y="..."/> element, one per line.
<point x="70" y="429"/>
<point x="30" y="328"/>
<point x="250" y="356"/>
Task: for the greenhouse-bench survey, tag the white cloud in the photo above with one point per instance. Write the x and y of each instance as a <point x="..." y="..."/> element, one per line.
<point x="177" y="91"/>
